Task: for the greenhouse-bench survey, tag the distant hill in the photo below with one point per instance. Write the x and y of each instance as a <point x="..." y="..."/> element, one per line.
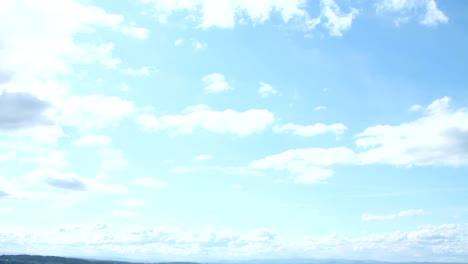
<point x="28" y="259"/>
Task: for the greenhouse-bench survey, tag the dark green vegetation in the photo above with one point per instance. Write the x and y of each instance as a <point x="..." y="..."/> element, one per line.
<point x="28" y="259"/>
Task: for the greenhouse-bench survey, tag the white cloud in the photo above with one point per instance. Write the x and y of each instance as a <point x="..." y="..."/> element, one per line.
<point x="320" y="108"/>
<point x="93" y="112"/>
<point x="34" y="136"/>
<point x="266" y="90"/>
<point x="51" y="30"/>
<point x="312" y="175"/>
<point x="148" y="182"/>
<point x="47" y="158"/>
<point x="337" y="21"/>
<point x="437" y="138"/>
<point x="407" y="213"/>
<point x="197" y="45"/>
<point x="178" y="42"/>
<point x="236" y="186"/>
<point x="143" y="71"/>
<point x="426" y="243"/>
<point x="433" y="15"/>
<point x="225" y="14"/>
<point x="102" y="53"/>
<point x="98" y="226"/>
<point x="135" y="32"/>
<point x="425" y="11"/>
<point x="312" y="130"/>
<point x="112" y="159"/>
<point x="306" y="165"/>
<point x="415" y="108"/>
<point x="22" y="110"/>
<point x="215" y="83"/>
<point x="202" y="157"/>
<point x="67" y="200"/>
<point x="227" y="121"/>
<point x="73" y="182"/>
<point x="58" y="179"/>
<point x="7" y="156"/>
<point x="94" y="141"/>
<point x="40" y="50"/>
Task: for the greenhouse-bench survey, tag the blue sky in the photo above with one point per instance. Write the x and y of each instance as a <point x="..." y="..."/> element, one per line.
<point x="231" y="129"/>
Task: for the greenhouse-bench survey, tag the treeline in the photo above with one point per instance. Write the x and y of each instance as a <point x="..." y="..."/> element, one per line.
<point x="28" y="259"/>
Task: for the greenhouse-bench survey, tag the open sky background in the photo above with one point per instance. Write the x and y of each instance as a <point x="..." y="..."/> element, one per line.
<point x="234" y="129"/>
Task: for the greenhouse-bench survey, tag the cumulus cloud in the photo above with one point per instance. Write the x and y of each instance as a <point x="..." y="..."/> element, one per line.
<point x="406" y="213"/>
<point x="202" y="117"/>
<point x="336" y="21"/>
<point x="70" y="181"/>
<point x="415" y="108"/>
<point x="306" y="165"/>
<point x="312" y="175"/>
<point x="226" y="14"/>
<point x="40" y="48"/>
<point x="425" y="11"/>
<point x="93" y="111"/>
<point x="102" y="53"/>
<point x="112" y="159"/>
<point x="215" y="83"/>
<point x="320" y="108"/>
<point x="197" y="45"/>
<point x="135" y="32"/>
<point x="22" y="110"/>
<point x="51" y="30"/>
<point x="57" y="179"/>
<point x="435" y="243"/>
<point x="312" y="130"/>
<point x="439" y="137"/>
<point x="425" y="243"/>
<point x="47" y="158"/>
<point x="266" y="90"/>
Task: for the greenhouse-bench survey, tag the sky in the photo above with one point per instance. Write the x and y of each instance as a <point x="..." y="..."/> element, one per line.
<point x="231" y="129"/>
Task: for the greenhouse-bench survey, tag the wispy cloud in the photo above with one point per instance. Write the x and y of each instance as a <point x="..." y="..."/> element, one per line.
<point x="387" y="217"/>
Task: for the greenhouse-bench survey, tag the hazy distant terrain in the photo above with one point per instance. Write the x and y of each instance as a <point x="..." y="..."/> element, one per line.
<point x="28" y="259"/>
